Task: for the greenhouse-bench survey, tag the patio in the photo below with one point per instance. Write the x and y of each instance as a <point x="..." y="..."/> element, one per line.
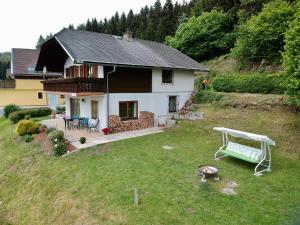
<point x="94" y="138"/>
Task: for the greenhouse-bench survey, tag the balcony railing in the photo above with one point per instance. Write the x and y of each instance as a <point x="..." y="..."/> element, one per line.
<point x="75" y="85"/>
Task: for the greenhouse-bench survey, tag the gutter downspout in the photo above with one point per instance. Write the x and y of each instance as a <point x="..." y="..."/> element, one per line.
<point x="107" y="92"/>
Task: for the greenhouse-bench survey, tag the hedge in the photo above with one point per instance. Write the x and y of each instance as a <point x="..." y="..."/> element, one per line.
<point x="256" y="83"/>
<point x="8" y="109"/>
<point x="21" y="114"/>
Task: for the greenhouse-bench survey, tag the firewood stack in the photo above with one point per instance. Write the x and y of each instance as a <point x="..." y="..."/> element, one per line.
<point x="146" y="119"/>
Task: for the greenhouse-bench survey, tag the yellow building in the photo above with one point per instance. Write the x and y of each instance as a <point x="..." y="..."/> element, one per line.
<point x="25" y="87"/>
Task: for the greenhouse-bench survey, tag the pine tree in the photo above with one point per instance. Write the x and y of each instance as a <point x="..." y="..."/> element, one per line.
<point x="40" y="42"/>
<point x="122" y="23"/>
<point x="130" y="21"/>
<point x="197" y="8"/>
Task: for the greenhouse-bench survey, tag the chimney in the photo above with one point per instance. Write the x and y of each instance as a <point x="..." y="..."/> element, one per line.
<point x="127" y="36"/>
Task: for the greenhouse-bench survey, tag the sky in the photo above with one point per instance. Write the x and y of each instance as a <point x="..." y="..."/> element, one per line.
<point x="23" y="21"/>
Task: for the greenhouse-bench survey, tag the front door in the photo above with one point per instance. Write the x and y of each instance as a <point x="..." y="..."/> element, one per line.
<point x="52" y="101"/>
<point x="75" y="107"/>
<point x="173" y="104"/>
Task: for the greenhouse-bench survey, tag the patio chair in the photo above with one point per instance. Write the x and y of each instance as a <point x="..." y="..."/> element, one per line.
<point x="85" y="122"/>
<point x="76" y="123"/>
<point x="93" y="124"/>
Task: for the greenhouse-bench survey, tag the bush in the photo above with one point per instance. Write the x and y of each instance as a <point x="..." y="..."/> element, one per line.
<point x="60" y="109"/>
<point x="82" y="140"/>
<point x="262" y="36"/>
<point x="9" y="109"/>
<point x="27" y="138"/>
<point x="49" y="130"/>
<point x="38" y="112"/>
<point x="27" y="117"/>
<point x="256" y="83"/>
<point x="291" y="59"/>
<point x="59" y="149"/>
<point x="56" y="136"/>
<point x="207" y="97"/>
<point x="27" y="127"/>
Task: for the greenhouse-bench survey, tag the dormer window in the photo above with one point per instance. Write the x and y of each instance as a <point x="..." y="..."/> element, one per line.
<point x="167" y="77"/>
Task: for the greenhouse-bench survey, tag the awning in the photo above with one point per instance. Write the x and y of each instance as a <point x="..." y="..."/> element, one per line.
<point x="245" y="135"/>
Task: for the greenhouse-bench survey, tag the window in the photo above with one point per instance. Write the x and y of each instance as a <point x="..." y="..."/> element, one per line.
<point x="167" y="76"/>
<point x="40" y="95"/>
<point x="75" y="107"/>
<point x="94" y="108"/>
<point x="128" y="110"/>
<point x="173" y="104"/>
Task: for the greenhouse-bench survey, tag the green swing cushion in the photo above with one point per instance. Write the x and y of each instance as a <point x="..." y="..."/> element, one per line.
<point x="243" y="152"/>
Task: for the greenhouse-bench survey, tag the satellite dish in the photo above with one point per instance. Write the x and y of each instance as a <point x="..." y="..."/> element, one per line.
<point x="44" y="71"/>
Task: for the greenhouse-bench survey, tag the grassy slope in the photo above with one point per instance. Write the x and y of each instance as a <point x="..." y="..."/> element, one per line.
<point x="95" y="186"/>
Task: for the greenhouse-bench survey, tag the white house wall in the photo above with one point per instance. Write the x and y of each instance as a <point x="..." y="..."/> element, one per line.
<point x="183" y="80"/>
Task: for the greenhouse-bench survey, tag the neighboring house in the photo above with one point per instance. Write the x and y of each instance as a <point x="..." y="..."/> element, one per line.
<point x="24" y="87"/>
<point x="142" y="75"/>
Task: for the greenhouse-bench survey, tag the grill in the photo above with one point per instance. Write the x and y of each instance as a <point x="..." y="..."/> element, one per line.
<point x="206" y="171"/>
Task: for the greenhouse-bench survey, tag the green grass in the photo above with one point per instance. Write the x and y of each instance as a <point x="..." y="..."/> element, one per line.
<point x="95" y="186"/>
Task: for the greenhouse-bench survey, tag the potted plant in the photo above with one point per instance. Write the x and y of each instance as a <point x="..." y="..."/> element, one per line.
<point x="105" y="131"/>
<point x="82" y="140"/>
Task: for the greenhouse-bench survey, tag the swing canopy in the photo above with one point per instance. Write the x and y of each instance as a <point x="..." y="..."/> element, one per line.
<point x="245" y="135"/>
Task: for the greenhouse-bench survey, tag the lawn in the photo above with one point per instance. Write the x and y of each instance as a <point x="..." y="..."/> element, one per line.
<point x="95" y="186"/>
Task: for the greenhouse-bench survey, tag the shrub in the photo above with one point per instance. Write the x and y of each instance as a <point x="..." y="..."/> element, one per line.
<point x="27" y="127"/>
<point x="291" y="59"/>
<point x="27" y="117"/>
<point x="59" y="149"/>
<point x="49" y="130"/>
<point x="9" y="109"/>
<point x="27" y="138"/>
<point x="82" y="140"/>
<point x="60" y="109"/>
<point x="38" y="112"/>
<point x="256" y="83"/>
<point x="56" y="136"/>
<point x="207" y="96"/>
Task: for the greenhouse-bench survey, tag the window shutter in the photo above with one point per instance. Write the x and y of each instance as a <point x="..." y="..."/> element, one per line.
<point x="81" y="68"/>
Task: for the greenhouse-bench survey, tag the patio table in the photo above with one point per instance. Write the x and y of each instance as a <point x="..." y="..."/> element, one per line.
<point x="69" y="120"/>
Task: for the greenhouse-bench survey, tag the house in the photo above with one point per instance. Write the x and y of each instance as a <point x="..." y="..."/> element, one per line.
<point x="23" y="85"/>
<point x="107" y="75"/>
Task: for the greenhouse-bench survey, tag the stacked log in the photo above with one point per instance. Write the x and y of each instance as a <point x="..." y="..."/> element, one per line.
<point x="146" y="120"/>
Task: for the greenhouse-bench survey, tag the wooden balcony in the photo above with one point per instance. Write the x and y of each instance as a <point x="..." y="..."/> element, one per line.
<point x="78" y="86"/>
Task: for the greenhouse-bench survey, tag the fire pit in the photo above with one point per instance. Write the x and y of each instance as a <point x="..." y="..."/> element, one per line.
<point x="206" y="171"/>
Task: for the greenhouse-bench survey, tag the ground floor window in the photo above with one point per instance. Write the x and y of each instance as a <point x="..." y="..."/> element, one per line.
<point x="40" y="95"/>
<point x="128" y="110"/>
<point x="173" y="104"/>
<point x="75" y="107"/>
<point x="94" y="109"/>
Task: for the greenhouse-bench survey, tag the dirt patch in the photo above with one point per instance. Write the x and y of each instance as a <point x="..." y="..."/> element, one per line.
<point x="44" y="141"/>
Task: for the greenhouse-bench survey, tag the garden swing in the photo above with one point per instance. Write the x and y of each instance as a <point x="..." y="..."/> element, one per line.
<point x="261" y="157"/>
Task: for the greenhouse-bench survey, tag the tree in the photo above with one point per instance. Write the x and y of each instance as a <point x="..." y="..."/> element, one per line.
<point x="40" y="42"/>
<point x="291" y="59"/>
<point x="262" y="36"/>
<point x="4" y="64"/>
<point x="204" y="37"/>
<point x="197" y="8"/>
<point x="122" y="23"/>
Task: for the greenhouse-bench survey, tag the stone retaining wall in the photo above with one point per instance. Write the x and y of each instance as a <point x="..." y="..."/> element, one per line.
<point x="145" y="120"/>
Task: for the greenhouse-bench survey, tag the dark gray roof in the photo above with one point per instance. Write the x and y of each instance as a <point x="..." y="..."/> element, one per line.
<point x="85" y="46"/>
<point x="23" y="62"/>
